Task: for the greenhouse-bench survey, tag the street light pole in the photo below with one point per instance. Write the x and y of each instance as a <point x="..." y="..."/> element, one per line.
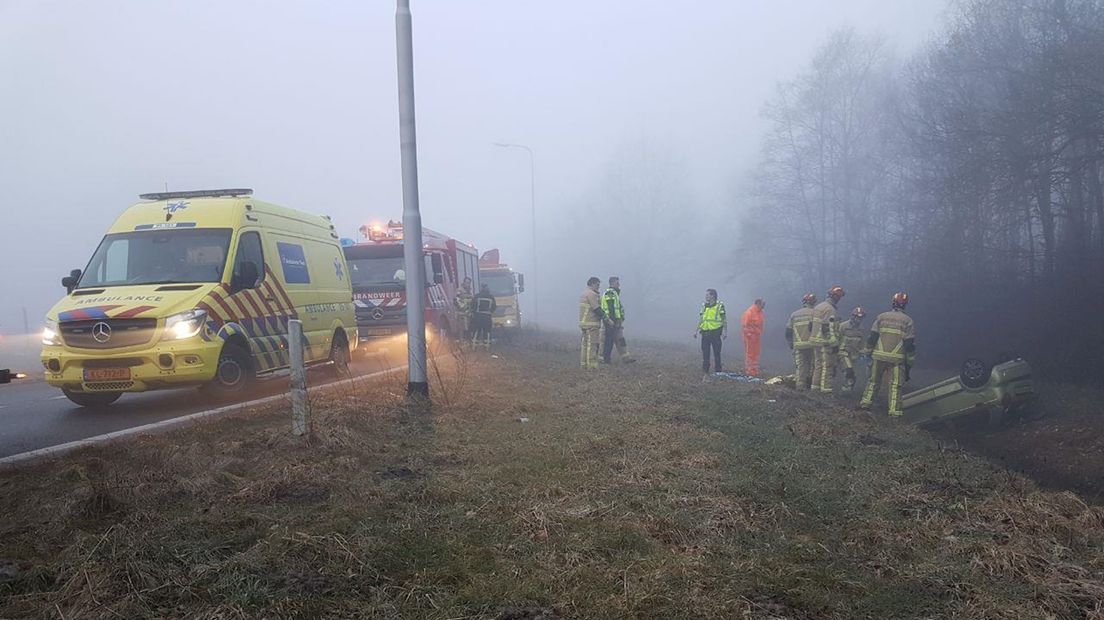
<point x="417" y="377"/>
<point x="533" y="219"/>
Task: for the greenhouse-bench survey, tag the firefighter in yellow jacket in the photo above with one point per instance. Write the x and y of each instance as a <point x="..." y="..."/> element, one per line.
<point x="463" y="302"/>
<point x="590" y="322"/>
<point x="892" y="343"/>
<point x="826" y="340"/>
<point x="799" y="333"/>
<point x="852" y="346"/>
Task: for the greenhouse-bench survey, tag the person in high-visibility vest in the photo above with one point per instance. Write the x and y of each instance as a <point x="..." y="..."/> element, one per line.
<point x="826" y="340"/>
<point x="590" y="322"/>
<point x="614" y="314"/>
<point x="892" y="343"/>
<point x="713" y="327"/>
<point x="483" y="307"/>
<point x="799" y="334"/>
<point x="852" y="346"/>
<point x="752" y="326"/>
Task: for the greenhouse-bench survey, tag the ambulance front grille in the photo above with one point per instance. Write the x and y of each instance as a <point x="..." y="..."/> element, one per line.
<point x="108" y="386"/>
<point x="107" y="333"/>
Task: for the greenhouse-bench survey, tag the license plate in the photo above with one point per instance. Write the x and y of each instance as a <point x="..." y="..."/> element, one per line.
<point x="106" y="374"/>
<point x="378" y="331"/>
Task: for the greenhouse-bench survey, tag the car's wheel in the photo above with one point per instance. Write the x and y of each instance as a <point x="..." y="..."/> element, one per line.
<point x="235" y="371"/>
<point x="92" y="399"/>
<point x="340" y="355"/>
<point x="974" y="373"/>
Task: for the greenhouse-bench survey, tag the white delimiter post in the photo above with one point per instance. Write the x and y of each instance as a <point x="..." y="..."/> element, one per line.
<point x="300" y="422"/>
<point x="417" y="379"/>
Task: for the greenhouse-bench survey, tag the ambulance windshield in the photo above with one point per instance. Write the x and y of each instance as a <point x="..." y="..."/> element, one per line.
<point x="158" y="257"/>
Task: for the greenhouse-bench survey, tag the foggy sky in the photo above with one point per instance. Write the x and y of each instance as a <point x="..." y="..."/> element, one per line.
<point x="102" y="101"/>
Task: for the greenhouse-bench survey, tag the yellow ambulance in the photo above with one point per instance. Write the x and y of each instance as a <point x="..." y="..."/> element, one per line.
<point x="196" y="288"/>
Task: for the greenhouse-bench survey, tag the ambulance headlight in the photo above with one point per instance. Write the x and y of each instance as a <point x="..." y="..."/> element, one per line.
<point x="184" y="325"/>
<point x="50" y="335"/>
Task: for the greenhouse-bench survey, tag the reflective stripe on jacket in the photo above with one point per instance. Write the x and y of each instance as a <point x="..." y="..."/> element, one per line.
<point x="852" y="339"/>
<point x="825" y="324"/>
<point x="893" y="329"/>
<point x="801" y="322"/>
<point x="611" y="305"/>
<point x="712" y="317"/>
<point x="484" y="304"/>
<point x="590" y="309"/>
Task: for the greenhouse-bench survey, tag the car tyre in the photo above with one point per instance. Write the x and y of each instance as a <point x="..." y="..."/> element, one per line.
<point x="340" y="356"/>
<point x="974" y="373"/>
<point x="92" y="400"/>
<point x="234" y="373"/>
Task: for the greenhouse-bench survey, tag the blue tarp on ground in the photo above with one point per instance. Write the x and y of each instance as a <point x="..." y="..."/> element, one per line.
<point x="735" y="376"/>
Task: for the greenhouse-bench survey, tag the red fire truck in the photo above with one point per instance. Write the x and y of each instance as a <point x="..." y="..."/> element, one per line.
<point x="378" y="276"/>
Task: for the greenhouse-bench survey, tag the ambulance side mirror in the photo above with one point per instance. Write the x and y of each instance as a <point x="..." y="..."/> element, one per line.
<point x="70" y="281"/>
<point x="521" y="283"/>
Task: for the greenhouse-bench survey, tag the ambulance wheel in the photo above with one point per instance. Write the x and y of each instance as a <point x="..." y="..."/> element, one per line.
<point x="234" y="373"/>
<point x="974" y="373"/>
<point x="339" y="355"/>
<point x="92" y="399"/>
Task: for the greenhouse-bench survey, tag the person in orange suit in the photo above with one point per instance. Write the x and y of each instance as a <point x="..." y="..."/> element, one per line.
<point x="752" y="325"/>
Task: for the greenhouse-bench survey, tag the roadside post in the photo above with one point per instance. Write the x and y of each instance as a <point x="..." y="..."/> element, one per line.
<point x="300" y="420"/>
<point x="417" y="386"/>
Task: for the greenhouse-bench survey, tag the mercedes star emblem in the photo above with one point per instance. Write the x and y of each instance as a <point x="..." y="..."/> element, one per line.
<point x="101" y="332"/>
<point x="377" y="313"/>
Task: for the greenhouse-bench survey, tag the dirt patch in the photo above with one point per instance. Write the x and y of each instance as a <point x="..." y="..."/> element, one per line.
<point x="1058" y="441"/>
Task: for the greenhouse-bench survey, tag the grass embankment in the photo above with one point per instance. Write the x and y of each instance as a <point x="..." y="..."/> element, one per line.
<point x="633" y="491"/>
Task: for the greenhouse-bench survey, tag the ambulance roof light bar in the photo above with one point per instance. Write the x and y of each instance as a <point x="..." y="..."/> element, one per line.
<point x="198" y="193"/>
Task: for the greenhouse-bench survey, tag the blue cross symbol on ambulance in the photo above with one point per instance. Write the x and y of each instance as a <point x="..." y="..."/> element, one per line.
<point x="339" y="270"/>
<point x="173" y="207"/>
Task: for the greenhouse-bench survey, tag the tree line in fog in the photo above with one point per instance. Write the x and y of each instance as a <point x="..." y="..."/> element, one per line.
<point x="969" y="175"/>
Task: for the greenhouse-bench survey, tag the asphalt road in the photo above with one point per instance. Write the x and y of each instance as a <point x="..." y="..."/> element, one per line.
<point x="34" y="415"/>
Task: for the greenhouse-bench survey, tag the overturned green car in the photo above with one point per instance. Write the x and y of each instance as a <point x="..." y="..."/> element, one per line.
<point x="979" y="388"/>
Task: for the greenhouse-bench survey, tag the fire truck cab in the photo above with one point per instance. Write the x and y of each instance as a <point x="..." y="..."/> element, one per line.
<point x="378" y="277"/>
<point x="506" y="285"/>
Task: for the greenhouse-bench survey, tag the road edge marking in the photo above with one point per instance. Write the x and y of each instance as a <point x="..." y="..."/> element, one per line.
<point x="40" y="454"/>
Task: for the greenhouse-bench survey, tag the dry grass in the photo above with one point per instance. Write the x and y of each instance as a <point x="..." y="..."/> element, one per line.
<point x="631" y="492"/>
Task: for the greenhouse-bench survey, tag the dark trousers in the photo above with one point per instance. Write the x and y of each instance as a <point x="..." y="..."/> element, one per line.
<point x="614" y="337"/>
<point x="481" y="326"/>
<point x="609" y="339"/>
<point x="711" y="339"/>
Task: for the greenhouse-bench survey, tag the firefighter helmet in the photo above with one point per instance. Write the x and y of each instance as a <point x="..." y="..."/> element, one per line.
<point x="858" y="312"/>
<point x="836" y="292"/>
<point x="900" y="300"/>
<point x="809" y="299"/>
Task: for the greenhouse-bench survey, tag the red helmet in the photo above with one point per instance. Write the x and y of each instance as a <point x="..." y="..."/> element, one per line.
<point x="836" y="292"/>
<point x="858" y="312"/>
<point x="900" y="300"/>
<point x="809" y="299"/>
